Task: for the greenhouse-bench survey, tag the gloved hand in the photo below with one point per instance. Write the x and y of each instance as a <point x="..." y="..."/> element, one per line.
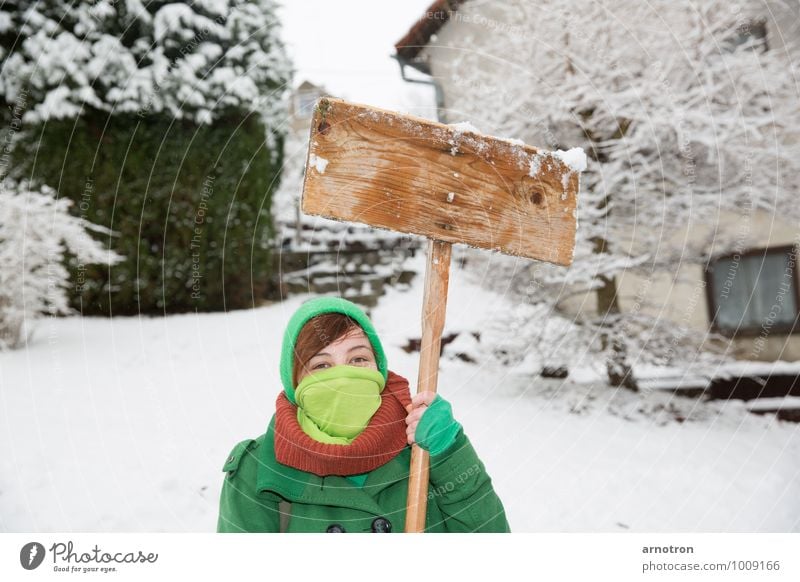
<point x="430" y="422"/>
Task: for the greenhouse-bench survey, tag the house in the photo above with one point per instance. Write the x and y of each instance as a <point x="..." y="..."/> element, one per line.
<point x="301" y="105"/>
<point x="751" y="296"/>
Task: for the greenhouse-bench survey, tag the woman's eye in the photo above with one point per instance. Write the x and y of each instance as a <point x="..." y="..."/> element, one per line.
<point x="359" y="359"/>
<point x="320" y="366"/>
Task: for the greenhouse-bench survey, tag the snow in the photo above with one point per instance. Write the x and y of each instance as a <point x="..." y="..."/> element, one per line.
<point x="465" y="345"/>
<point x="177" y="19"/>
<point x="124" y="424"/>
<point x="726" y="370"/>
<point x="464" y="126"/>
<point x="5" y="22"/>
<point x="677" y="383"/>
<point x="575" y="158"/>
<point x="318" y="163"/>
<point x="535" y="165"/>
<point x="751" y="368"/>
<point x="777" y="403"/>
<point x="513" y="141"/>
<point x="185" y="63"/>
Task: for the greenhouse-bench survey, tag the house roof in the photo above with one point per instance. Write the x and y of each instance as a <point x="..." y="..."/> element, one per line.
<point x="308" y="85"/>
<point x="437" y="14"/>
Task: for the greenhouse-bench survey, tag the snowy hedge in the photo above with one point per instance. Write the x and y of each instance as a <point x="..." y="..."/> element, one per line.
<point x="163" y="122"/>
<point x="189" y="206"/>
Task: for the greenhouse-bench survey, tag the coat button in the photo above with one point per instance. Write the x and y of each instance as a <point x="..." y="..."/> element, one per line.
<point x="335" y="528"/>
<point x="381" y="525"/>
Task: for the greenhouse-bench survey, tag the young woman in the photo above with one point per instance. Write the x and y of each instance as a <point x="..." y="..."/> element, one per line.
<point x="335" y="457"/>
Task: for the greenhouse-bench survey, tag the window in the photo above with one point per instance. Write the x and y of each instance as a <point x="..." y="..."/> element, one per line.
<point x="754" y="293"/>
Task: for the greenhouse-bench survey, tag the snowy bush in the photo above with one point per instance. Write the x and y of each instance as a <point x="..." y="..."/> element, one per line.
<point x="686" y="112"/>
<point x="36" y="232"/>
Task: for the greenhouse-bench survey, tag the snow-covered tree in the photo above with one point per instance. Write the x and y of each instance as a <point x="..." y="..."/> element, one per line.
<point x="686" y="110"/>
<point x="195" y="60"/>
<point x="36" y="232"/>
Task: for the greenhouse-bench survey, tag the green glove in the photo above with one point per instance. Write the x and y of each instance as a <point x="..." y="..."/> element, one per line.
<point x="437" y="429"/>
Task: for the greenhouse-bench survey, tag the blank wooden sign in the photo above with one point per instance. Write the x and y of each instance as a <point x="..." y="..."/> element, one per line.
<point x="444" y="182"/>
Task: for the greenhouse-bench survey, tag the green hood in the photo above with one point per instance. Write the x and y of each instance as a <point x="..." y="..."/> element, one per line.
<point x="318" y="306"/>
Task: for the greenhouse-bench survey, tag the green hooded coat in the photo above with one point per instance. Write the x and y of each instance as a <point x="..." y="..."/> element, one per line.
<point x="460" y="493"/>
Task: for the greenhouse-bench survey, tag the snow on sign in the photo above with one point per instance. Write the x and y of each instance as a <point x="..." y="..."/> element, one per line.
<point x="450" y="184"/>
<point x="444" y="182"/>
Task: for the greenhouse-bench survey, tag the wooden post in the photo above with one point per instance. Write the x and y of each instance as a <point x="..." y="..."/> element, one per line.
<point x="434" y="308"/>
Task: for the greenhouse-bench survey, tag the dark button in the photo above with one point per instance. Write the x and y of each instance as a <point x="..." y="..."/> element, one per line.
<point x="335" y="528"/>
<point x="381" y="525"/>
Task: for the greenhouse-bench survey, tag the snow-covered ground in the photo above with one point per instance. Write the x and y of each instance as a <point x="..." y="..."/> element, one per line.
<point x="124" y="425"/>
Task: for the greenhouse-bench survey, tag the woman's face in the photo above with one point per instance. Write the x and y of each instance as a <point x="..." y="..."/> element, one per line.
<point x="352" y="349"/>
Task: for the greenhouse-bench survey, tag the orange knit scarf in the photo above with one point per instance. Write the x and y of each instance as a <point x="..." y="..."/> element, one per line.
<point x="382" y="440"/>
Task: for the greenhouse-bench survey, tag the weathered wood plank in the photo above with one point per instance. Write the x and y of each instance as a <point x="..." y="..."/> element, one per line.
<point x="412" y="175"/>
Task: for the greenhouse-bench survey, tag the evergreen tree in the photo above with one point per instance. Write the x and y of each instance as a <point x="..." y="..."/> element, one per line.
<point x="164" y="123"/>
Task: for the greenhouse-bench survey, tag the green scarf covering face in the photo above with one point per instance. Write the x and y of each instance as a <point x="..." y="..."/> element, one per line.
<point x="335" y="405"/>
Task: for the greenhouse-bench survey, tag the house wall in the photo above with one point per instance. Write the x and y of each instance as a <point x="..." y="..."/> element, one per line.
<point x="679" y="296"/>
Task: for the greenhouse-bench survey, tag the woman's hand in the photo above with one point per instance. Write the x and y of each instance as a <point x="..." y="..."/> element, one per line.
<point x="419" y="404"/>
<point x="430" y="419"/>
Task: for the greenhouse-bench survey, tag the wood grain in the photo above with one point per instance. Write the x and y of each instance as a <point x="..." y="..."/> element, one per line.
<point x="412" y="175"/>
